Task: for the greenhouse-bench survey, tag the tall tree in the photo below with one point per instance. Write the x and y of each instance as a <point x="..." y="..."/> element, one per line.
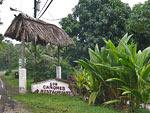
<point x="9" y="55"/>
<point x="91" y="21"/>
<point x="139" y="24"/>
<point x="1" y="38"/>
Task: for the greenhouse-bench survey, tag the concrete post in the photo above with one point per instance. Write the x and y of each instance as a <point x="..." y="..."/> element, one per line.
<point x="58" y="72"/>
<point x="22" y="81"/>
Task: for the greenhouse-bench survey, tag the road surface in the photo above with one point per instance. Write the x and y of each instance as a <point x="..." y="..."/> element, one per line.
<point x="3" y="94"/>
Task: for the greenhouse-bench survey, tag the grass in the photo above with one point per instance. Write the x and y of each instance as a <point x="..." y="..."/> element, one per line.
<point x="44" y="103"/>
<point x="13" y="82"/>
<point x="59" y="104"/>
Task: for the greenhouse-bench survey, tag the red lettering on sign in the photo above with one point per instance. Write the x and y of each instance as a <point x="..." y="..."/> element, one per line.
<point x="54" y="88"/>
<point x="44" y="87"/>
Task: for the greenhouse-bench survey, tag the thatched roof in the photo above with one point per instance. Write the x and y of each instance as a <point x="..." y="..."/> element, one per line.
<point x="37" y="31"/>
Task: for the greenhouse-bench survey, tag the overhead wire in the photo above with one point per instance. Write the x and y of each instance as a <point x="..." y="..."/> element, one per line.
<point x="46" y="9"/>
<point x="52" y="19"/>
<point x="43" y="7"/>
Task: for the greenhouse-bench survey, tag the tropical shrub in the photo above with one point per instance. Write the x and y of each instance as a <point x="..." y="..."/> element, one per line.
<point x="44" y="67"/>
<point x="87" y="87"/>
<point x="121" y="73"/>
<point x="81" y="79"/>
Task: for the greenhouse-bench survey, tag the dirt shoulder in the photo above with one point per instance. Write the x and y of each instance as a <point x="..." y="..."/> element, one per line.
<point x="13" y="106"/>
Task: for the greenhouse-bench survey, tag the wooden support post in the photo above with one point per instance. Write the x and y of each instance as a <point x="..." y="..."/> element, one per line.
<point x="22" y="50"/>
<point x="22" y="71"/>
<point x="58" y="68"/>
<point x="34" y="43"/>
<point x="58" y="55"/>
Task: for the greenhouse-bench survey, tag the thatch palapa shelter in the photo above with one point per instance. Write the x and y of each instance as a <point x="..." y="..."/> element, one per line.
<point x="27" y="29"/>
<point x="37" y="31"/>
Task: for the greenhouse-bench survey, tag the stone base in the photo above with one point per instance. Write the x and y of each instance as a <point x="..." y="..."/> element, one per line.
<point x="58" y="72"/>
<point x="22" y="81"/>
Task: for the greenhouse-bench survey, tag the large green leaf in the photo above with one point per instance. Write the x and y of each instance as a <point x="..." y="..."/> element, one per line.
<point x="115" y="79"/>
<point x="124" y="40"/>
<point x="94" y="55"/>
<point x="143" y="57"/>
<point x="111" y="102"/>
<point x="84" y="64"/>
<point x="145" y="72"/>
<point x="93" y="98"/>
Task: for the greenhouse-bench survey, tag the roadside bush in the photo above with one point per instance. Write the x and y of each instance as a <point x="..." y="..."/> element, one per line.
<point x="67" y="69"/>
<point x="46" y="69"/>
<point x="7" y="72"/>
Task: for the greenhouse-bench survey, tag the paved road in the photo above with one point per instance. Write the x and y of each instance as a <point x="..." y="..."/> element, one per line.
<point x="3" y="94"/>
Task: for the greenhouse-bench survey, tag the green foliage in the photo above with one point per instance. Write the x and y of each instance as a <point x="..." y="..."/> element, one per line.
<point x="92" y="98"/>
<point x="81" y="78"/>
<point x="45" y="65"/>
<point x="47" y="103"/>
<point x="111" y="101"/>
<point x="9" y="55"/>
<point x="87" y="86"/>
<point x="121" y="72"/>
<point x="91" y="21"/>
<point x="13" y="82"/>
<point x="67" y="69"/>
<point x="139" y="24"/>
<point x="1" y="38"/>
<point x="59" y="104"/>
<point x="40" y="70"/>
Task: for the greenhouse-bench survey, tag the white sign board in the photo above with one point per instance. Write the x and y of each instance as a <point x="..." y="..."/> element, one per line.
<point x="51" y="86"/>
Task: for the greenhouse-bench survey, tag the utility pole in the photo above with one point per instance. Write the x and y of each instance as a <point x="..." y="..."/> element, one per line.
<point x="34" y="43"/>
<point x="1" y="1"/>
<point x="0" y="12"/>
<point x="0" y="20"/>
<point x="36" y="8"/>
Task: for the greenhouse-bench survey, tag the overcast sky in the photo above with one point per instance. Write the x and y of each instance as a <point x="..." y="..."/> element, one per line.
<point x="58" y="9"/>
